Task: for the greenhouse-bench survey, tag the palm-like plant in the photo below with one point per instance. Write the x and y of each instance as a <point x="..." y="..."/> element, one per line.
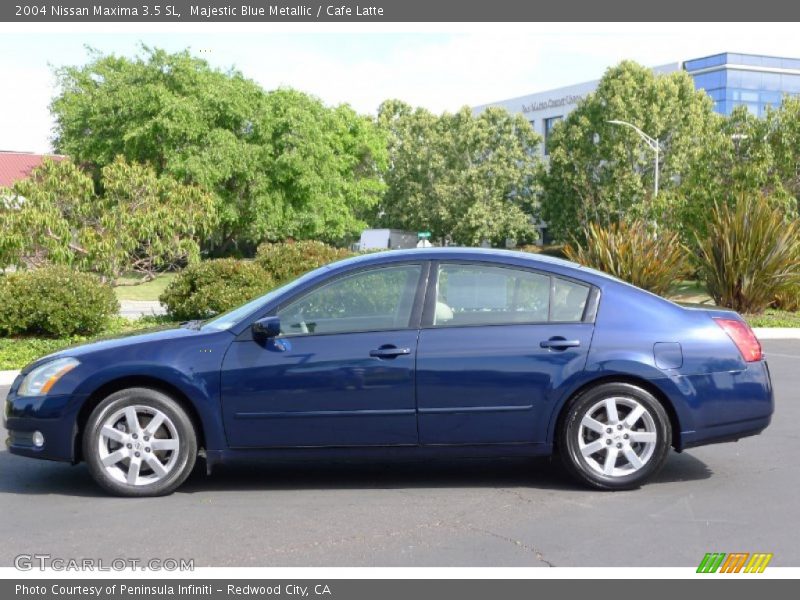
<point x="749" y="255"/>
<point x="788" y="299"/>
<point x="631" y="252"/>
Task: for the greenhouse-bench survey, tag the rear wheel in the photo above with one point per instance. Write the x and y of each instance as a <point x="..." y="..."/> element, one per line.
<point x="615" y="436"/>
<point x="139" y="442"/>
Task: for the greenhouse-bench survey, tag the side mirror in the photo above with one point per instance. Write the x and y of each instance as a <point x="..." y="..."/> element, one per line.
<point x="266" y="328"/>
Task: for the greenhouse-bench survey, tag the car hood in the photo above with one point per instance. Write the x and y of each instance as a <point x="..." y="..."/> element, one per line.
<point x="162" y="333"/>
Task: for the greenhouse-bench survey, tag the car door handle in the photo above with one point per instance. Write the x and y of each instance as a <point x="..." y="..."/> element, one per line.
<point x="389" y="352"/>
<point x="559" y="343"/>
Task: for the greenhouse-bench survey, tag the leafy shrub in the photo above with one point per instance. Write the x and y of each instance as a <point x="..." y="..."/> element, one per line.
<point x="55" y="301"/>
<point x="287" y="260"/>
<point x="210" y="287"/>
<point x="749" y="255"/>
<point x="634" y="254"/>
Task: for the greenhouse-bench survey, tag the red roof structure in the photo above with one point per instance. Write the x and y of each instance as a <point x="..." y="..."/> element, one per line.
<point x="18" y="165"/>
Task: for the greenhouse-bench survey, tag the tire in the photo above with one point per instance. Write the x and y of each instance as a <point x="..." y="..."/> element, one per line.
<point x="623" y="458"/>
<point x="162" y="434"/>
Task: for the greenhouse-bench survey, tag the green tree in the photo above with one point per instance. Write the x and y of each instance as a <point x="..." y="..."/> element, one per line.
<point x="751" y="157"/>
<point x="465" y="178"/>
<point x="280" y="164"/>
<point x="603" y="173"/>
<point x="735" y="162"/>
<point x="38" y="215"/>
<point x="141" y="222"/>
<point x="782" y="131"/>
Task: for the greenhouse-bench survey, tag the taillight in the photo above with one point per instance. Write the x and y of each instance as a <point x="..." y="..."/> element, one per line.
<point x="743" y="337"/>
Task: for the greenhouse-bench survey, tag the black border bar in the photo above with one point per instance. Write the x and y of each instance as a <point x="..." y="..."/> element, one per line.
<point x="393" y="11"/>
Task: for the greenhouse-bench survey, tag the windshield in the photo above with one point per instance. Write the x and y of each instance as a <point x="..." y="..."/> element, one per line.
<point x="232" y="317"/>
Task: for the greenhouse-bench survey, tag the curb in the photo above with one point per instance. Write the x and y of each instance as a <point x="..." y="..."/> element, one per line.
<point x="777" y="333"/>
<point x="8" y="377"/>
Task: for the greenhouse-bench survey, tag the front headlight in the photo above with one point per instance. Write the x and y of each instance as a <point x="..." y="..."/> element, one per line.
<point x="39" y="381"/>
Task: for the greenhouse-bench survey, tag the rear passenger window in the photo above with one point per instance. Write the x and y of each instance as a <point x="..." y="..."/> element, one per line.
<point x="489" y="295"/>
<point x="486" y="295"/>
<point x="568" y="301"/>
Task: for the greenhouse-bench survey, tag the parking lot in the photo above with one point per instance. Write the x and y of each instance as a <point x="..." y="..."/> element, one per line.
<point x="738" y="497"/>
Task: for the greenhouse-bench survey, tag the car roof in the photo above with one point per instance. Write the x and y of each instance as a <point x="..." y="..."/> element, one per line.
<point x="550" y="263"/>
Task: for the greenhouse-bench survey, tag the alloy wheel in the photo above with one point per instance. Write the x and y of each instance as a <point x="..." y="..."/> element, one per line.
<point x="138" y="445"/>
<point x="617" y="436"/>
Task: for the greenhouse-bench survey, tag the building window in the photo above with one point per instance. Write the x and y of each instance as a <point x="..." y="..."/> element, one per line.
<point x="548" y="128"/>
<point x="533" y="124"/>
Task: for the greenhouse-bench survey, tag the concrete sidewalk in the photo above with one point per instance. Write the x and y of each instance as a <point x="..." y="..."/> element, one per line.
<point x="133" y="309"/>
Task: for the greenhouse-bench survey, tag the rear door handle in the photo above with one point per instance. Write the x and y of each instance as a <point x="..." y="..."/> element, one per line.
<point x="389" y="352"/>
<point x="559" y="343"/>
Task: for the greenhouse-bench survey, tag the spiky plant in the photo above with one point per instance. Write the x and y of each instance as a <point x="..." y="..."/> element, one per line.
<point x="788" y="299"/>
<point x="633" y="253"/>
<point x="749" y="255"/>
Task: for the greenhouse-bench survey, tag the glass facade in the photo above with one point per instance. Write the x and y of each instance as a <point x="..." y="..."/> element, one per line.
<point x="749" y="80"/>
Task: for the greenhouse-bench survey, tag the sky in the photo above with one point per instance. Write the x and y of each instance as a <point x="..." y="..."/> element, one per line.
<point x="438" y="67"/>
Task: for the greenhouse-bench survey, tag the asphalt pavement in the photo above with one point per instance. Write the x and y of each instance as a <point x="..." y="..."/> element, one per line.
<point x="735" y="497"/>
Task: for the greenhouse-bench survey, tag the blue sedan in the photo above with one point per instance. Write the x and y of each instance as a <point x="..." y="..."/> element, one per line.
<point x="428" y="352"/>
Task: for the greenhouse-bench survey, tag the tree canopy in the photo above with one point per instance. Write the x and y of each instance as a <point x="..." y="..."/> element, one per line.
<point x="279" y="164"/>
<point x="141" y="222"/>
<point x="463" y="177"/>
<point x="603" y="173"/>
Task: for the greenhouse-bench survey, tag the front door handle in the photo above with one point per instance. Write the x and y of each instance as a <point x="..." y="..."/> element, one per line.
<point x="559" y="343"/>
<point x="389" y="351"/>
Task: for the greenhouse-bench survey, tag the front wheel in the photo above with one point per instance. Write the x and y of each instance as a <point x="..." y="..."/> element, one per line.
<point x="139" y="442"/>
<point x="615" y="436"/>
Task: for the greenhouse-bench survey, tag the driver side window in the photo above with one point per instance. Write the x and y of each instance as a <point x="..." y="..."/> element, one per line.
<point x="372" y="300"/>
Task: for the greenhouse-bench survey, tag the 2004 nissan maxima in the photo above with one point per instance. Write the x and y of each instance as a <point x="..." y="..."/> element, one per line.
<point x="425" y="352"/>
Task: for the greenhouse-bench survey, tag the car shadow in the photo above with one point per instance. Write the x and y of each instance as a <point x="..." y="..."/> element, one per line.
<point x="20" y="475"/>
<point x="384" y="474"/>
<point x="25" y="476"/>
<point x="535" y="473"/>
<point x="683" y="467"/>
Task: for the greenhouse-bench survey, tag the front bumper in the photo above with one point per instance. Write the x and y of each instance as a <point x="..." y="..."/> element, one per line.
<point x="55" y="417"/>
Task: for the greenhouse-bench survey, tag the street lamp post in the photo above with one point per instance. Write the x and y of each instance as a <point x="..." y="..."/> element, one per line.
<point x="652" y="143"/>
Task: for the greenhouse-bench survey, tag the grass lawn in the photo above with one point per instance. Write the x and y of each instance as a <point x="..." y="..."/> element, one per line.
<point x="150" y="290"/>
<point x="15" y="353"/>
<point x="774" y="318"/>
